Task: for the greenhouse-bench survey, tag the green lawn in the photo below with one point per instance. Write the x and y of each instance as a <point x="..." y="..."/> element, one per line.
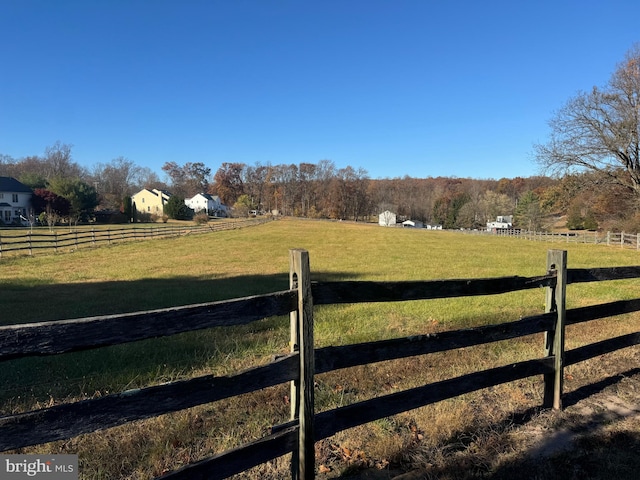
<point x="193" y="269"/>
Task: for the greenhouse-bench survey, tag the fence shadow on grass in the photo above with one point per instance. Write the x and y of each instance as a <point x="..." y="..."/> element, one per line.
<point x="27" y="303"/>
<point x="578" y="449"/>
<point x="94" y="372"/>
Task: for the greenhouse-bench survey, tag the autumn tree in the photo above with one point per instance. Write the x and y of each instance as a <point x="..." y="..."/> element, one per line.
<point x="189" y="179"/>
<point x="599" y="131"/>
<point x="256" y="179"/>
<point x="227" y="182"/>
<point x="115" y="181"/>
<point x="243" y="206"/>
<point x="494" y="204"/>
<point x="37" y="171"/>
<point x="446" y="209"/>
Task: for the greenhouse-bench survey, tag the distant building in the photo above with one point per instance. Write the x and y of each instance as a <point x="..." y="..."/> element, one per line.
<point x="208" y="203"/>
<point x="412" y="224"/>
<point x="387" y="219"/>
<point x="15" y="201"/>
<point x="502" y="222"/>
<point x="433" y="226"/>
<point x="150" y="202"/>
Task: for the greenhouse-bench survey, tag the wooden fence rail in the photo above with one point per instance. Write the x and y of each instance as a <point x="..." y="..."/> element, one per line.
<point x="299" y="435"/>
<point x="614" y="239"/>
<point x="53" y="241"/>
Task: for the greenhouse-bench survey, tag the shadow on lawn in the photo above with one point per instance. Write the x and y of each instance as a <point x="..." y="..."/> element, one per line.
<point x="27" y="303"/>
<point x="578" y="448"/>
<point x="115" y="368"/>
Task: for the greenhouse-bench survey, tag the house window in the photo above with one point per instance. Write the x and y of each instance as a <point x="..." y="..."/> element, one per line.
<point x="15" y="198"/>
<point x="1" y="195"/>
<point x="143" y="200"/>
<point x="148" y="209"/>
<point x="7" y="215"/>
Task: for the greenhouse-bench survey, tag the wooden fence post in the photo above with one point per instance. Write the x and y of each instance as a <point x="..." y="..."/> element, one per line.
<point x="554" y="339"/>
<point x="302" y="390"/>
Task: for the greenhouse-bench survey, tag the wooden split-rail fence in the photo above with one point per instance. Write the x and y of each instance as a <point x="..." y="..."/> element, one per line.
<point x="42" y="241"/>
<point x="612" y="239"/>
<point x="299" y="367"/>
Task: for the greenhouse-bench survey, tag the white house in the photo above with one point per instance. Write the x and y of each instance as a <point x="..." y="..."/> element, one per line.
<point x="387" y="219"/>
<point x="209" y="203"/>
<point x="15" y="201"/>
<point x="502" y="221"/>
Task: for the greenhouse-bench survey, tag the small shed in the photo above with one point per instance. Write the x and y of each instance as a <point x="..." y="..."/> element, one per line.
<point x="387" y="219"/>
<point x="412" y="224"/>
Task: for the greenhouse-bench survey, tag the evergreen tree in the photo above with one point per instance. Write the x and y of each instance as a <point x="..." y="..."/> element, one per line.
<point x="175" y="208"/>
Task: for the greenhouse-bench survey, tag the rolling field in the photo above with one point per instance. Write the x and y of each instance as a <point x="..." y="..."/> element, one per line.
<point x="194" y="269"/>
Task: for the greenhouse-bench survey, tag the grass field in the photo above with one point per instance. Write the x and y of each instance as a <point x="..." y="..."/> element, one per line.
<point x="162" y="273"/>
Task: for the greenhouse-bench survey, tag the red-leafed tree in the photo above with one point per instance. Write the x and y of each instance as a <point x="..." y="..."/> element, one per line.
<point x="50" y="206"/>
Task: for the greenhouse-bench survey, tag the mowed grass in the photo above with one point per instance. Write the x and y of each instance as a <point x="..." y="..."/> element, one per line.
<point x="201" y="268"/>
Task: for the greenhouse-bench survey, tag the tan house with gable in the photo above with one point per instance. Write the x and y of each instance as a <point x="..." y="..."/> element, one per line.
<point x="150" y="202"/>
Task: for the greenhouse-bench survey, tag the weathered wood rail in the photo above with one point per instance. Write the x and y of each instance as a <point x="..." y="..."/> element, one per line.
<point x="299" y="367"/>
<point x="613" y="239"/>
<point x="44" y="241"/>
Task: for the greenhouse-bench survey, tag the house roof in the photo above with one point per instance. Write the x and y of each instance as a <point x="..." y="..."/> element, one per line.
<point x="204" y="195"/>
<point x="10" y="184"/>
<point x="208" y="196"/>
<point x="155" y="192"/>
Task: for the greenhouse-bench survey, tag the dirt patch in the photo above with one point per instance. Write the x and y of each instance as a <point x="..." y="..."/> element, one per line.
<point x="586" y="418"/>
<point x="596" y="436"/>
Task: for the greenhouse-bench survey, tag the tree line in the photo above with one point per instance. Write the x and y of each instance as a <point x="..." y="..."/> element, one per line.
<point x="64" y="189"/>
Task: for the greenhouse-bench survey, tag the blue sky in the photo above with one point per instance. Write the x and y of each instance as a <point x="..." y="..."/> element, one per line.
<point x="403" y="87"/>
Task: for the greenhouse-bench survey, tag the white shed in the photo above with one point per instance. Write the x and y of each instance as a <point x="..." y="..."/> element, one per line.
<point x="387" y="219"/>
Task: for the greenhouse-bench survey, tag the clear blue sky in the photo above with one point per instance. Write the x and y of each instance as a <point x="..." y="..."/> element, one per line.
<point x="397" y="87"/>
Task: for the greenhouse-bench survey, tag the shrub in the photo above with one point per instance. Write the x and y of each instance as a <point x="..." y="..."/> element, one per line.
<point x="201" y="218"/>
